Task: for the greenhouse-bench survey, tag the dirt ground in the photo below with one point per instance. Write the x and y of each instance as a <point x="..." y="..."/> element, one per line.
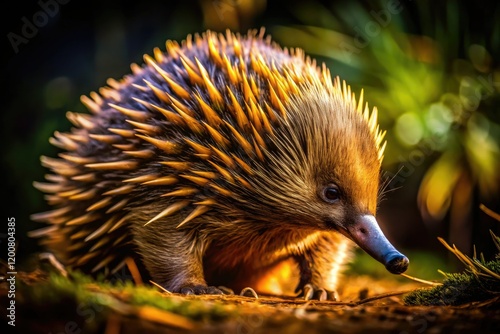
<point x="366" y="305"/>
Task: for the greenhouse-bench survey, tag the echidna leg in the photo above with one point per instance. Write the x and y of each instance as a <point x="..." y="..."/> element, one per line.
<point x="172" y="258"/>
<point x="321" y="266"/>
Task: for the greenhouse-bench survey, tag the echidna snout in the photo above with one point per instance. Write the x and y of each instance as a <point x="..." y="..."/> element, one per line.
<point x="366" y="232"/>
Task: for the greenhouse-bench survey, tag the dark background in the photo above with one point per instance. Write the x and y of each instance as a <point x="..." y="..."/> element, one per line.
<point x="84" y="43"/>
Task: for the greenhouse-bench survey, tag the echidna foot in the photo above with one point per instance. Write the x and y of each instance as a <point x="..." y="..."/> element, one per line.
<point x="309" y="292"/>
<point x="200" y="289"/>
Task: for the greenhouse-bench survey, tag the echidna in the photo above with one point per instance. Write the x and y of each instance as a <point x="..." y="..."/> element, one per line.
<point x="215" y="162"/>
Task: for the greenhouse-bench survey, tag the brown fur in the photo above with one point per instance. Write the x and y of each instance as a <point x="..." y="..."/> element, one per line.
<point x="246" y="145"/>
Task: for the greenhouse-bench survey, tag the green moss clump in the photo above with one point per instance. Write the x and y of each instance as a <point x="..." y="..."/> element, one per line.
<point x="479" y="282"/>
<point x="459" y="288"/>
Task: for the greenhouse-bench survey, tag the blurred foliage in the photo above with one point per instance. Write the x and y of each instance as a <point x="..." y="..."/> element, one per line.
<point x="230" y="14"/>
<point x="437" y="83"/>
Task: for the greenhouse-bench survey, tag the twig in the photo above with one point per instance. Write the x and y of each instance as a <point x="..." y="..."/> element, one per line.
<point x="54" y="262"/>
<point x="488" y="302"/>
<point x="377" y="297"/>
<point x="331" y="302"/>
<point x="160" y="287"/>
<point x="489" y="212"/>
<point x="420" y="280"/>
<point x="132" y="267"/>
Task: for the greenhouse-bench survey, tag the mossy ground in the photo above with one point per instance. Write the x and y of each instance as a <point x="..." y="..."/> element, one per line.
<point x="47" y="302"/>
<point x="478" y="283"/>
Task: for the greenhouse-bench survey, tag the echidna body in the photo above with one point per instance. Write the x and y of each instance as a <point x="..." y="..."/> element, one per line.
<point x="214" y="162"/>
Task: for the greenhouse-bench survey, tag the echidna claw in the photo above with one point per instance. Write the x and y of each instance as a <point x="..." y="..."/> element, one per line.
<point x="226" y="290"/>
<point x="200" y="290"/>
<point x="321" y="294"/>
<point x="310" y="293"/>
<point x="249" y="292"/>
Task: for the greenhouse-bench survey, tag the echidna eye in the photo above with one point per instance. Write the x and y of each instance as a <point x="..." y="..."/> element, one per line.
<point x="331" y="194"/>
